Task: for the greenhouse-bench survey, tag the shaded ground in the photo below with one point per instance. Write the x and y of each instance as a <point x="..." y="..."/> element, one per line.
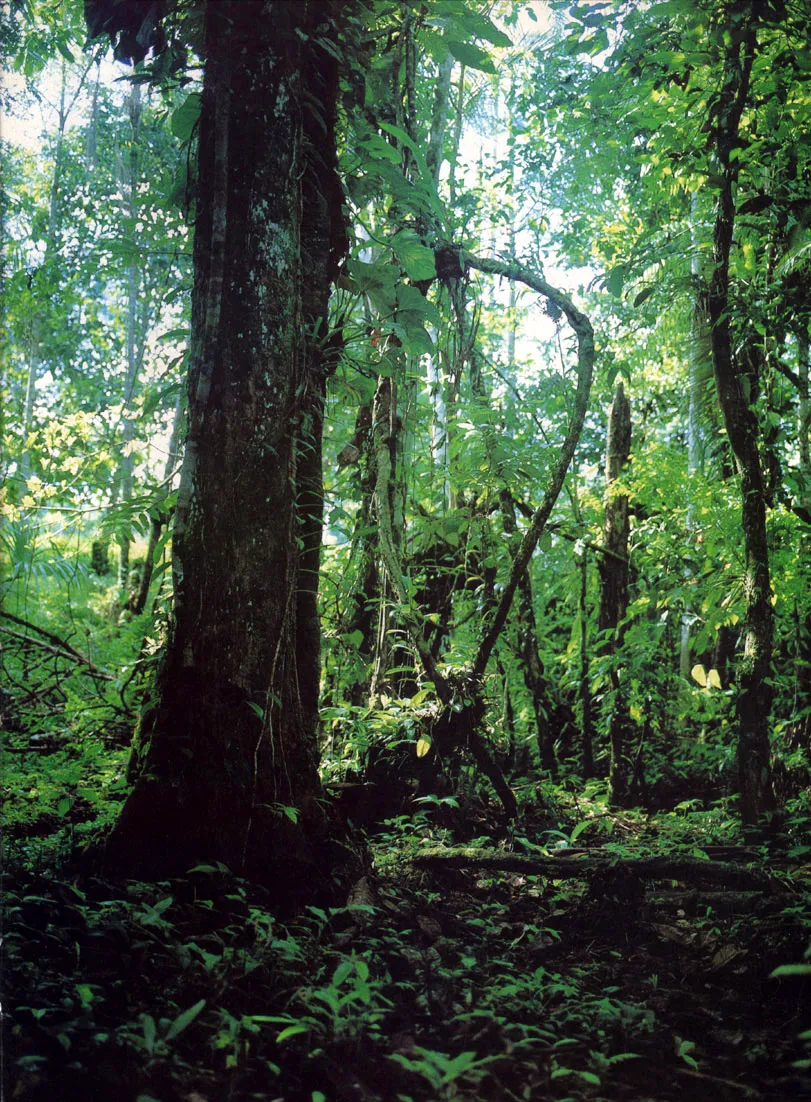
<point x="432" y="984"/>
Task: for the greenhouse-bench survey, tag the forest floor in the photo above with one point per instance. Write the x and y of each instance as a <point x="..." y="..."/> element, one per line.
<point x="431" y="983"/>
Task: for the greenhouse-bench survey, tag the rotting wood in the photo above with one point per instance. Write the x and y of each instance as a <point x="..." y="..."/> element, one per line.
<point x="721" y="874"/>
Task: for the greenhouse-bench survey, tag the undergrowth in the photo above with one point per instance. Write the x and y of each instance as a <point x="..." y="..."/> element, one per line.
<point x="425" y="986"/>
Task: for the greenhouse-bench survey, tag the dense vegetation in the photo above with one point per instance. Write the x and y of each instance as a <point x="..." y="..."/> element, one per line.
<point x="405" y="603"/>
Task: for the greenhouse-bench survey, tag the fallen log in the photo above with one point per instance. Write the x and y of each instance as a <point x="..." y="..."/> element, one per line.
<point x="690" y="869"/>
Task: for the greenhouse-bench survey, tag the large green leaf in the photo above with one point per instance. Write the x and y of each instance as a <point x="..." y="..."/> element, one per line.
<point x="417" y="259"/>
<point x="184" y="119"/>
<point x="472" y="56"/>
<point x="409" y="298"/>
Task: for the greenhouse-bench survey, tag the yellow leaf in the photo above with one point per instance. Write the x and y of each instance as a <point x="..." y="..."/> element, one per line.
<point x="699" y="674"/>
<point x="714" y="680"/>
<point x="423" y="746"/>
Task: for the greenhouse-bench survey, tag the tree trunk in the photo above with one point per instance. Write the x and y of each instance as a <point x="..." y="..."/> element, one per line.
<point x="754" y="695"/>
<point x="532" y="666"/>
<point x="700" y="374"/>
<point x="137" y="602"/>
<point x="134" y="352"/>
<point x="804" y="419"/>
<point x="614" y="587"/>
<point x="584" y="681"/>
<point x="226" y="757"/>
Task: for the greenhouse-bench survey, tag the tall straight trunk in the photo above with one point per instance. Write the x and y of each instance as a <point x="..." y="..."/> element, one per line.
<point x="584" y="681"/>
<point x="134" y="354"/>
<point x="532" y="666"/>
<point x="35" y="339"/>
<point x="226" y="755"/>
<point x="439" y="118"/>
<point x="137" y="603"/>
<point x="700" y="372"/>
<point x="754" y="695"/>
<point x="36" y="335"/>
<point x="614" y="587"/>
<point x="804" y="417"/>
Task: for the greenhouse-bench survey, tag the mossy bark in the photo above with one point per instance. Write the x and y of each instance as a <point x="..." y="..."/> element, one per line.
<point x="614" y="589"/>
<point x="229" y="741"/>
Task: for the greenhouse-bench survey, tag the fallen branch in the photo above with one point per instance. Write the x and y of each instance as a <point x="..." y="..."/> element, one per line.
<point x="58" y="647"/>
<point x="718" y="873"/>
<point x="721" y="902"/>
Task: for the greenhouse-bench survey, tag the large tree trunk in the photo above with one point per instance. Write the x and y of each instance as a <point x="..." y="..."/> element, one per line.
<point x="226" y="755"/>
<point x="754" y="689"/>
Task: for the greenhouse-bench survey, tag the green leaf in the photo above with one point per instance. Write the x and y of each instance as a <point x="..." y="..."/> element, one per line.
<point x="401" y="135"/>
<point x="341" y="972"/>
<point x="578" y="830"/>
<point x="417" y="259"/>
<point x="85" y="993"/>
<point x="379" y="147"/>
<point x="474" y="57"/>
<point x="184" y="119"/>
<point x="464" y="23"/>
<point x="790" y="970"/>
<point x="590" y="1077"/>
<point x="410" y="298"/>
<point x="149" y="1033"/>
<point x="291" y="1031"/>
<point x="615" y="281"/>
<point x="185" y="1019"/>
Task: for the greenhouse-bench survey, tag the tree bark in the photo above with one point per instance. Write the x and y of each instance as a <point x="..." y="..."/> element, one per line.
<point x="754" y="695"/>
<point x="226" y="755"/>
<point x="613" y="570"/>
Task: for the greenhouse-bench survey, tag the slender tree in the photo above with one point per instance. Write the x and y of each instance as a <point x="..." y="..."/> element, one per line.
<point x="614" y="585"/>
<point x="754" y="695"/>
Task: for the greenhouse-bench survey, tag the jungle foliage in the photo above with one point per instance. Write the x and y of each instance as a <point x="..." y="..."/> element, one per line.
<point x="554" y="427"/>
